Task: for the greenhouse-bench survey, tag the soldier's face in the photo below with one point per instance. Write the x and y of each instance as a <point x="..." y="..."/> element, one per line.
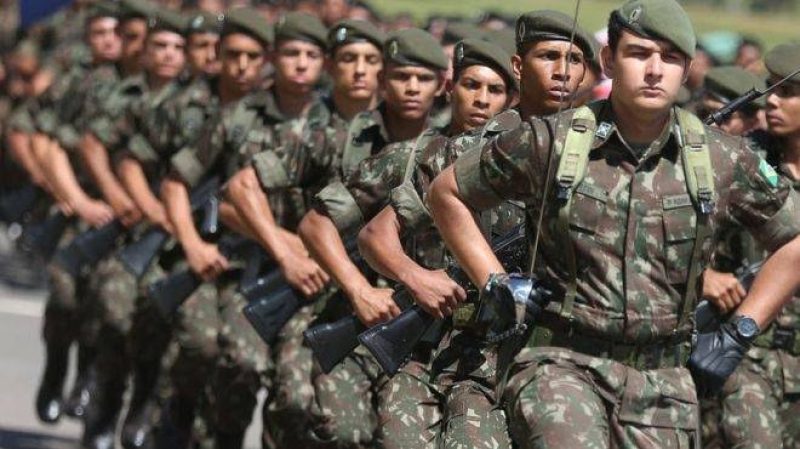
<point x="478" y="94"/>
<point x="298" y="66"/>
<point x="242" y="60"/>
<point x="201" y="53"/>
<point x="355" y="69"/>
<point x="739" y="123"/>
<point x="783" y="109"/>
<point x="133" y="32"/>
<point x="165" y="55"/>
<point x="104" y="42"/>
<point x="647" y="74"/>
<point x="548" y="75"/>
<point x="409" y="91"/>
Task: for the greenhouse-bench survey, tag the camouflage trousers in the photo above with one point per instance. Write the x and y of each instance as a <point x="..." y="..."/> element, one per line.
<point x="288" y="413"/>
<point x="558" y="398"/>
<point x="465" y="372"/>
<point x="759" y="404"/>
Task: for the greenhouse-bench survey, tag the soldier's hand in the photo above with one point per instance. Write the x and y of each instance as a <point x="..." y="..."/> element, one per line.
<point x="205" y="260"/>
<point x="304" y="274"/>
<point x="374" y="305"/>
<point x="723" y="290"/>
<point x="96" y="213"/>
<point x="715" y="357"/>
<point x="158" y="217"/>
<point x="125" y="210"/>
<point x="435" y="292"/>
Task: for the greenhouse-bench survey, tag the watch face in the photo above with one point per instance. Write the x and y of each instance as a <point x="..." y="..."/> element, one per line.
<point x="747" y="327"/>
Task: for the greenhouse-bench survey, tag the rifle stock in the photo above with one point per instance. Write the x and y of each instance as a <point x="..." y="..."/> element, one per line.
<point x="42" y="238"/>
<point x="271" y="304"/>
<point x="332" y="342"/>
<point x="14" y="204"/>
<point x="89" y="247"/>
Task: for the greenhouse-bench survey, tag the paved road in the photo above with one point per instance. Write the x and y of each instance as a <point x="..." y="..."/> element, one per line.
<point x="21" y="358"/>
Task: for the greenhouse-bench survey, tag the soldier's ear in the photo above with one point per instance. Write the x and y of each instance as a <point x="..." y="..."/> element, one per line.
<point x="607" y="56"/>
<point x="516" y="65"/>
<point x="687" y="70"/>
<point x="442" y="77"/>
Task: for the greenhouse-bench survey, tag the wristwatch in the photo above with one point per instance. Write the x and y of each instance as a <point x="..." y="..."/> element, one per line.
<point x="746" y="327"/>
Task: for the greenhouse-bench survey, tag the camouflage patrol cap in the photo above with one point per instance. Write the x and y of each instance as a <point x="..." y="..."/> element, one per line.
<point x="349" y="31"/>
<point x="135" y="9"/>
<point x="413" y="46"/>
<point x="103" y="9"/>
<point x="471" y="52"/>
<point x="204" y="22"/>
<point x="729" y="82"/>
<point x="547" y="25"/>
<point x="458" y="31"/>
<point x="250" y="22"/>
<point x="301" y="26"/>
<point x="659" y="19"/>
<point x="167" y="20"/>
<point x="784" y="59"/>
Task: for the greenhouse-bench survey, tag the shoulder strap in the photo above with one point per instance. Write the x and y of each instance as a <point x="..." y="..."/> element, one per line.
<point x="573" y="152"/>
<point x="244" y="115"/>
<point x="354" y="148"/>
<point x="699" y="176"/>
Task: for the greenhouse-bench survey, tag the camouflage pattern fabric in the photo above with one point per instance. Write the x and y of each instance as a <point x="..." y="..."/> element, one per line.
<point x="651" y="253"/>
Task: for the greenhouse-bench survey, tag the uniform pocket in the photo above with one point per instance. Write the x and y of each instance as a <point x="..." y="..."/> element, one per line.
<point x="663" y="398"/>
<point x="680" y="230"/>
<point x="588" y="205"/>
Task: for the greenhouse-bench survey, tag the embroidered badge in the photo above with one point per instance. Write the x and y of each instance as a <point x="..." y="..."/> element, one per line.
<point x="459" y="54"/>
<point x="768" y="173"/>
<point x="341" y="34"/>
<point x="635" y="14"/>
<point x="603" y="130"/>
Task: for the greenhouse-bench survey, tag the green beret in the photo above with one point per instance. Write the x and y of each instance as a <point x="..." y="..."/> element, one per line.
<point x="729" y="82"/>
<point x="784" y="59"/>
<point x="471" y="52"/>
<point x="204" y="22"/>
<point x="458" y="31"/>
<point x="302" y="26"/>
<point x="547" y="25"/>
<point x="250" y="22"/>
<point x="103" y="9"/>
<point x="135" y="9"/>
<point x="413" y="46"/>
<point x="504" y="38"/>
<point x="349" y="31"/>
<point x="167" y="20"/>
<point x="659" y="19"/>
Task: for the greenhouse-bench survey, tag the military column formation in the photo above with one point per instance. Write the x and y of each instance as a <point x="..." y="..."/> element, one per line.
<point x="405" y="238"/>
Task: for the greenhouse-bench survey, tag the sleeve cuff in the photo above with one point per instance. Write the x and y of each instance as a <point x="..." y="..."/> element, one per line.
<point x="409" y="207"/>
<point x="46" y="122"/>
<point x="68" y="137"/>
<point x="471" y="187"/>
<point x="783" y="226"/>
<point x="337" y="202"/>
<point x="102" y="128"/>
<point x="270" y="171"/>
<point x="141" y="149"/>
<point x="188" y="167"/>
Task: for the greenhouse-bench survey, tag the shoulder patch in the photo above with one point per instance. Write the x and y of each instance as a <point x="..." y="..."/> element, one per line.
<point x="768" y="173"/>
<point x="504" y="121"/>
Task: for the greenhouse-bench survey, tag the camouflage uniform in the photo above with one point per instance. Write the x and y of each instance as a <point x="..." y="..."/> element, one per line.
<point x="758" y="404"/>
<point x="613" y="374"/>
<point x="242" y="130"/>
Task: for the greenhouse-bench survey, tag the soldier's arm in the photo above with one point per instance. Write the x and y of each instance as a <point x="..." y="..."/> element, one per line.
<point x="95" y="157"/>
<point x="136" y="184"/>
<point x="302" y="273"/>
<point x="380" y="244"/>
<point x="19" y="146"/>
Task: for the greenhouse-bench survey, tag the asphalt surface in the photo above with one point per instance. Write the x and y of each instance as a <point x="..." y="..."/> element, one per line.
<point x="21" y="361"/>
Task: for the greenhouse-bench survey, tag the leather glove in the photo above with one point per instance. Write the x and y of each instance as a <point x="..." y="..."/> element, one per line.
<point x="508" y="292"/>
<point x="715" y="356"/>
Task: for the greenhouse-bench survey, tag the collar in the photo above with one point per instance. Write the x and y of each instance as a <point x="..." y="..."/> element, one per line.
<point x="607" y="128"/>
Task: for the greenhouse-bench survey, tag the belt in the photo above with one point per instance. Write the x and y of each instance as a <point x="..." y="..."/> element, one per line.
<point x="783" y="338"/>
<point x="554" y="331"/>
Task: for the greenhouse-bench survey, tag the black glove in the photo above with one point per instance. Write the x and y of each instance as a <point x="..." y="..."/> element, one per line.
<point x="506" y="291"/>
<point x="715" y="356"/>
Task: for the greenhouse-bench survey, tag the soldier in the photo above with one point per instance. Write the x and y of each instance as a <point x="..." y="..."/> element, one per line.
<point x="412" y="77"/>
<point x="623" y="239"/>
<point x="355" y="59"/>
<point x="758" y="405"/>
<point x="724" y="84"/>
<point x="464" y="368"/>
<point x="275" y="118"/>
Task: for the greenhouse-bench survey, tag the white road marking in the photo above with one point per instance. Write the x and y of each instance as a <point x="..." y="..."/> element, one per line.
<point x="21" y="307"/>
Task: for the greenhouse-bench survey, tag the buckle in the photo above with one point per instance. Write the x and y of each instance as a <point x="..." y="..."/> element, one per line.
<point x="783" y="338"/>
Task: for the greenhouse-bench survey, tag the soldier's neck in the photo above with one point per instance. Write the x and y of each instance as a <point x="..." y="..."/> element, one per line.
<point x="156" y="83"/>
<point x="401" y="129"/>
<point x="292" y="105"/>
<point x="791" y="153"/>
<point x="348" y="108"/>
<point x="639" y="127"/>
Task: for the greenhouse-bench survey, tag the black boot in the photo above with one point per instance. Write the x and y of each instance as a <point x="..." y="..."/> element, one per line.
<point x="144" y="408"/>
<point x="100" y="420"/>
<point x="85" y="385"/>
<point x="175" y="430"/>
<point x="49" y="399"/>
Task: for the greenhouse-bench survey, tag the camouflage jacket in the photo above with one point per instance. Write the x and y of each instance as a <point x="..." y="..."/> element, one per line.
<point x="64" y="110"/>
<point x="632" y="223"/>
<point x="246" y="128"/>
<point x="174" y="123"/>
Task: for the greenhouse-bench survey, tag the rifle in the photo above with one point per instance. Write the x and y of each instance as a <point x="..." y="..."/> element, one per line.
<point x="42" y="238"/>
<point x="169" y="293"/>
<point x="393" y="342"/>
<point x="89" y="247"/>
<point x="138" y="256"/>
<point x="707" y="317"/>
<point x="14" y="204"/>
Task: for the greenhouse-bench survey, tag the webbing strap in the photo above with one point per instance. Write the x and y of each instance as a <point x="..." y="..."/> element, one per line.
<point x="574" y="158"/>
